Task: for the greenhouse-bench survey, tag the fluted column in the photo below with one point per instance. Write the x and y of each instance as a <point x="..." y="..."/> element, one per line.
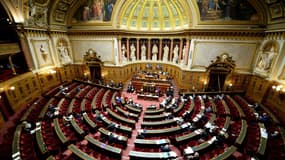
<point x="128" y="49"/>
<point x="191" y="52"/>
<point x="171" y="50"/>
<point x="148" y="49"/>
<point x="120" y="49"/>
<point x="180" y="50"/>
<point x="160" y="49"/>
<point x="26" y="50"/>
<point x="138" y="49"/>
<point x="187" y="52"/>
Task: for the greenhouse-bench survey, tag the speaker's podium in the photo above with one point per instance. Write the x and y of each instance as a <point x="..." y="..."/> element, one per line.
<point x="148" y="92"/>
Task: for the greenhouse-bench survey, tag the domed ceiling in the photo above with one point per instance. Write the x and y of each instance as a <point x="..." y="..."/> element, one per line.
<point x="154" y="15"/>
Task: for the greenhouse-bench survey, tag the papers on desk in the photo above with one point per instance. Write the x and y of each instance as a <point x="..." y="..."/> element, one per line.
<point x="188" y="150"/>
<point x="263" y="133"/>
<point x="208" y="125"/>
<point x="15" y="155"/>
<point x="199" y="115"/>
<point x="185" y="125"/>
<point x="172" y="154"/>
<point x="198" y="131"/>
<point x="212" y="140"/>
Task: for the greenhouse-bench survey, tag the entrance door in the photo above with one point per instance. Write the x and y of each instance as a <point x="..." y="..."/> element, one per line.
<point x="216" y="82"/>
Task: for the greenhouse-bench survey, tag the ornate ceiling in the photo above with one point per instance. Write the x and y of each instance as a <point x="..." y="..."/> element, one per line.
<point x="146" y="15"/>
<point x="154" y="15"/>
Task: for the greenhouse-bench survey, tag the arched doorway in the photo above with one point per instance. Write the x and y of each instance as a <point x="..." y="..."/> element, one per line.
<point x="218" y="72"/>
<point x="94" y="63"/>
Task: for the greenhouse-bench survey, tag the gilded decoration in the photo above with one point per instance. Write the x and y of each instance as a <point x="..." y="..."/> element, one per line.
<point x="42" y="53"/>
<point x="94" y="11"/>
<point x="266" y="57"/>
<point x="37" y="13"/>
<point x="225" y="10"/>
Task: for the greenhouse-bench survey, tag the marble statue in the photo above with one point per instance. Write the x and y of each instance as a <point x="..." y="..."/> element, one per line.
<point x="266" y="58"/>
<point x="154" y="52"/>
<point x="133" y="52"/>
<point x="175" y="54"/>
<point x="143" y="52"/>
<point x="183" y="54"/>
<point x="165" y="53"/>
<point x="64" y="55"/>
<point x="124" y="58"/>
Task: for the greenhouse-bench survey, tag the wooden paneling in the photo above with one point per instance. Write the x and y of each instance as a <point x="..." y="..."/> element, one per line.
<point x="30" y="85"/>
<point x="257" y="88"/>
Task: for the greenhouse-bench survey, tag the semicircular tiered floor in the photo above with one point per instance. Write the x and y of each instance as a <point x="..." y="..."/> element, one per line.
<point x="86" y="137"/>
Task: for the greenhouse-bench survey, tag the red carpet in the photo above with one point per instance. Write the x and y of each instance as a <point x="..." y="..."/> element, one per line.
<point x="144" y="104"/>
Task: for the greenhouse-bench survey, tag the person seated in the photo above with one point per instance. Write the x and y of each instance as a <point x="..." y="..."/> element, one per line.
<point x="52" y="107"/>
<point x="111" y="126"/>
<point x="27" y="126"/>
<point x="165" y="148"/>
<point x="209" y="109"/>
<point x="196" y="155"/>
<point x="264" y="118"/>
<point x="112" y="138"/>
<point x="275" y="134"/>
<point x="140" y="135"/>
<point x="67" y="119"/>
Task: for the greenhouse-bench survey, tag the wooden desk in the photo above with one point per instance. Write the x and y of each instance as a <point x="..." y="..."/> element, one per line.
<point x="95" y="98"/>
<point x="226" y="108"/>
<point x="16" y="143"/>
<point x="79" y="153"/>
<point x="240" y="111"/>
<point x="152" y="132"/>
<point x="155" y="117"/>
<point x="127" y="130"/>
<point x="226" y="154"/>
<point x="70" y="106"/>
<point x="51" y="157"/>
<point x="40" y="141"/>
<point x="132" y="109"/>
<point x="227" y="123"/>
<point x="152" y="155"/>
<point x="159" y="123"/>
<point x="263" y="139"/>
<point x="45" y="108"/>
<point x="76" y="127"/>
<point x="242" y="133"/>
<point x="89" y="121"/>
<point x="188" y="136"/>
<point x="110" y="149"/>
<point x="151" y="142"/>
<point x="158" y="111"/>
<point x="179" y="108"/>
<point x="120" y="118"/>
<point x="122" y="139"/>
<point x="58" y="131"/>
<point x="148" y="97"/>
<point x="133" y="115"/>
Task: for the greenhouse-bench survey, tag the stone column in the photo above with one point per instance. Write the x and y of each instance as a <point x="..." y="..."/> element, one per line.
<point x="120" y="49"/>
<point x="148" y="49"/>
<point x="138" y="49"/>
<point x="191" y="52"/>
<point x="128" y="49"/>
<point x="180" y="50"/>
<point x="171" y="50"/>
<point x="187" y="52"/>
<point x="160" y="49"/>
